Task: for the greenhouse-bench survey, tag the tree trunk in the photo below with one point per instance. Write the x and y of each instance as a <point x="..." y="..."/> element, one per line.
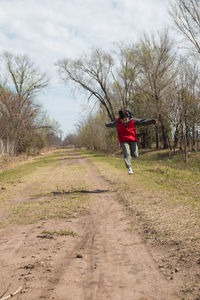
<point x="193" y="138"/>
<point x="176" y="138"/>
<point x="188" y="136"/>
<point x="148" y="137"/>
<point x="164" y="134"/>
<point x="169" y="143"/>
<point x="185" y="149"/>
<point x="157" y="137"/>
<point x="181" y="138"/>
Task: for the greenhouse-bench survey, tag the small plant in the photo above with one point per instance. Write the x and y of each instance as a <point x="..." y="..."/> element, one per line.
<point x="5" y="158"/>
<point x="61" y="232"/>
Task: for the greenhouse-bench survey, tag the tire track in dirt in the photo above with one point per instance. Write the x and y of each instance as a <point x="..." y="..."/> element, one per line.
<point x="115" y="263"/>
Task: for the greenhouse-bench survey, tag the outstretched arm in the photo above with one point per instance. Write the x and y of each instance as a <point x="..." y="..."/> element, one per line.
<point x="140" y="122"/>
<point x="111" y="124"/>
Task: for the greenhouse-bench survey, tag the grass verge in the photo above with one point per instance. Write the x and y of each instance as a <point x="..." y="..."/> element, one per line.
<point x="156" y="171"/>
<point x="18" y="172"/>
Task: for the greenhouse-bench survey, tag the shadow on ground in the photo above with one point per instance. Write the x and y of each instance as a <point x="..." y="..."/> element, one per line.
<point x="80" y="192"/>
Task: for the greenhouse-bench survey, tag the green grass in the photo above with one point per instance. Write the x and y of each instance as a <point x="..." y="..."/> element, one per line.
<point x="17" y="173"/>
<point x="159" y="171"/>
<point x="173" y="160"/>
<point x="162" y="157"/>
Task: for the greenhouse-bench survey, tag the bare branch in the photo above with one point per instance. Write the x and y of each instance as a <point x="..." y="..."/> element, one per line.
<point x="25" y="77"/>
<point x="92" y="73"/>
<point x="186" y="16"/>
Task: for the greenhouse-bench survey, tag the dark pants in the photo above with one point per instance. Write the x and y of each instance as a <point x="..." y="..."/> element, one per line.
<point x="129" y="149"/>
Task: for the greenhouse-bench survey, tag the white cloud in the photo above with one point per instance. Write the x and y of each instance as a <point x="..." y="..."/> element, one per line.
<point x="48" y="30"/>
<point x="64" y="24"/>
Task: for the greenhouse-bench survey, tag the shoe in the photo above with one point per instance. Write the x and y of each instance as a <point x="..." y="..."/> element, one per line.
<point x="130" y="171"/>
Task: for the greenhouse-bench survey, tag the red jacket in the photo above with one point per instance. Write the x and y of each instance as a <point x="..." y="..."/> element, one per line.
<point x="126" y="133"/>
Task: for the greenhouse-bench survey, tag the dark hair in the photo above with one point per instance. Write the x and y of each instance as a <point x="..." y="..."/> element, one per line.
<point x="124" y="113"/>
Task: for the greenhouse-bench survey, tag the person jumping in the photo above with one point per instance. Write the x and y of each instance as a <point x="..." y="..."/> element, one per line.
<point x="127" y="137"/>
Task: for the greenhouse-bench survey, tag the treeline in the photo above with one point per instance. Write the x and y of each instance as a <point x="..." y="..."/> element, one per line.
<point x="151" y="78"/>
<point x="24" y="126"/>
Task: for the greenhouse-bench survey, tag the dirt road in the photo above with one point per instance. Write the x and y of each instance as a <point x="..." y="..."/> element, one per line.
<point x="89" y="254"/>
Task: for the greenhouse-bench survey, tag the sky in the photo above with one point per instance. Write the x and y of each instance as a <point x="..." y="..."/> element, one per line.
<point x="49" y="30"/>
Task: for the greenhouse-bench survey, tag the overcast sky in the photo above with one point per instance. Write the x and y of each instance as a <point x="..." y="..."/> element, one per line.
<point x="48" y="30"/>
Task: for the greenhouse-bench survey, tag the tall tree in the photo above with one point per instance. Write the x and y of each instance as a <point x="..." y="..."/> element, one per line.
<point x="24" y="78"/>
<point x="125" y="75"/>
<point x="92" y="73"/>
<point x="157" y="73"/>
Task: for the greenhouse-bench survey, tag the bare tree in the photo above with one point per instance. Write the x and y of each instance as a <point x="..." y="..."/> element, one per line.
<point x="24" y="78"/>
<point x="183" y="106"/>
<point x="16" y="118"/>
<point x="71" y="140"/>
<point x="92" y="133"/>
<point x="23" y="125"/>
<point x="125" y="75"/>
<point x="186" y="16"/>
<point x="157" y="73"/>
<point x="92" y="73"/>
